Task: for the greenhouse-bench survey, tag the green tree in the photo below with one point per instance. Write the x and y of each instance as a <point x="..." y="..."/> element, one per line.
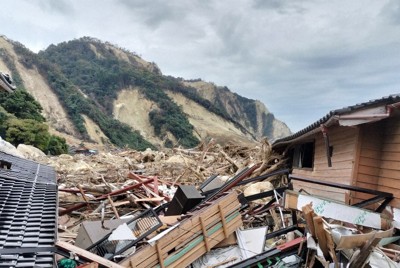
<point x="27" y="131"/>
<point x="3" y="120"/>
<point x="57" y="145"/>
<point x="21" y="104"/>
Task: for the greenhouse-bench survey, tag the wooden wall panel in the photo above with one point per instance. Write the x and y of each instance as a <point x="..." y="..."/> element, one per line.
<point x="368" y="157"/>
<point x="343" y="140"/>
<point x="379" y="162"/>
<point x="389" y="173"/>
<point x="371" y="140"/>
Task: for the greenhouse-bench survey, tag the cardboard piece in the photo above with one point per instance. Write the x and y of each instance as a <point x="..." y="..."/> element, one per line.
<point x="349" y="241"/>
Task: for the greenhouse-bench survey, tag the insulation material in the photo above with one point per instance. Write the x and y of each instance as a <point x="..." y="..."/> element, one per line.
<point x="340" y="212"/>
<point x="221" y="257"/>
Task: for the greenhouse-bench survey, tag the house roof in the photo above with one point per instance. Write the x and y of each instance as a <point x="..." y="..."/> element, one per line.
<point x="345" y="110"/>
<point x="28" y="213"/>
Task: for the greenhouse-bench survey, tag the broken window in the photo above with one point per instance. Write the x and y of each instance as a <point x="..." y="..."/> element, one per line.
<point x="303" y="155"/>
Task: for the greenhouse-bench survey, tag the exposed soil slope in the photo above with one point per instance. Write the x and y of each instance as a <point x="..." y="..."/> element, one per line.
<point x="208" y="124"/>
<point x="37" y="86"/>
<point x="132" y="108"/>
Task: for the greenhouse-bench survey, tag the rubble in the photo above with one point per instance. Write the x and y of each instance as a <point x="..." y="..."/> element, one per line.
<point x="210" y="206"/>
<point x="29" y="151"/>
<point x="107" y="186"/>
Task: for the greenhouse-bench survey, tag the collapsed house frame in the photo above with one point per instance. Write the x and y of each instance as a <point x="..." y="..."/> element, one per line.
<point x="342" y="175"/>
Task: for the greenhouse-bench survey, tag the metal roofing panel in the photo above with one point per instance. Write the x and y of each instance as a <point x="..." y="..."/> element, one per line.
<point x="28" y="213"/>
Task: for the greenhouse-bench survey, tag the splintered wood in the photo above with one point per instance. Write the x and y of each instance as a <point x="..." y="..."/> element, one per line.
<point x="112" y="185"/>
<point x="193" y="237"/>
<point x="86" y="182"/>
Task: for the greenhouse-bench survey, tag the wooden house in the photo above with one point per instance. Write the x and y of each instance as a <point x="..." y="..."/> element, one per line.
<point x="357" y="145"/>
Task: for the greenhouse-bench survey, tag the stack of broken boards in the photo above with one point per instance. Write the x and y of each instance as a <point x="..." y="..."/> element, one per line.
<point x="351" y="232"/>
<point x="193" y="237"/>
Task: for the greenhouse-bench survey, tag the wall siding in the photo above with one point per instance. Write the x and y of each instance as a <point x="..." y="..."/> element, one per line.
<point x="371" y="139"/>
<point x="389" y="173"/>
<point x="343" y="140"/>
<point x="379" y="162"/>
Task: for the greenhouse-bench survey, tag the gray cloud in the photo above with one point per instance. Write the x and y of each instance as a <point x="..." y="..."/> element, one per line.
<point x="301" y="58"/>
<point x="154" y="13"/>
<point x="62" y="7"/>
<point x="281" y="6"/>
<point x="391" y="12"/>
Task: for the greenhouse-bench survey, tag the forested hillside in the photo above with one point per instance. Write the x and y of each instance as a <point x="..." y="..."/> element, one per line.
<point x="100" y="75"/>
<point x="76" y="104"/>
<point x="22" y="123"/>
<point x="86" y="88"/>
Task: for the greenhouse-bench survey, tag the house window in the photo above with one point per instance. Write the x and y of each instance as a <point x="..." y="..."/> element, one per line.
<point x="304" y="155"/>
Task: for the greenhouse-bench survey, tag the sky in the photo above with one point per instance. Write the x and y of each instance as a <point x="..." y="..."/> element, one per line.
<point x="300" y="58"/>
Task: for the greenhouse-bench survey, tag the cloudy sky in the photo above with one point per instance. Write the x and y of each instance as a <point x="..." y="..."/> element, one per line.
<point x="300" y="58"/>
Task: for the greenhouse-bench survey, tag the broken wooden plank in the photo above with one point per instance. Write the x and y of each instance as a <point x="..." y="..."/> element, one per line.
<point x="320" y="234"/>
<point x="87" y="255"/>
<point x="187" y="241"/>
<point x="84" y="196"/>
<point x="364" y="253"/>
<point x="182" y="236"/>
<point x="221" y="212"/>
<point x="128" y="188"/>
<point x="159" y="255"/>
<point x="309" y="214"/>
<point x="89" y="265"/>
<point x="191" y="251"/>
<point x="150" y="199"/>
<point x="200" y="250"/>
<point x="113" y="207"/>
<point x="203" y="228"/>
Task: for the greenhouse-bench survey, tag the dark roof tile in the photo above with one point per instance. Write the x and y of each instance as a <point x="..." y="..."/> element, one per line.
<point x="344" y="110"/>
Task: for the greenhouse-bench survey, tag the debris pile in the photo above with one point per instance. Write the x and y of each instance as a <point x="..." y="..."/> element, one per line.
<point x="212" y="206"/>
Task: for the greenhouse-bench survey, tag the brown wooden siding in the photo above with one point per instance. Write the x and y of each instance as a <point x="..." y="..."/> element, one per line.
<point x="371" y="138"/>
<point x="343" y="140"/>
<point x="379" y="162"/>
<point x="389" y="173"/>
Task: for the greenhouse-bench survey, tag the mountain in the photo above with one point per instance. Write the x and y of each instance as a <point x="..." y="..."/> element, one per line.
<point x="95" y="91"/>
<point x="252" y="114"/>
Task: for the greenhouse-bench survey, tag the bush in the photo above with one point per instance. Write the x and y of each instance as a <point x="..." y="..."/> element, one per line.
<point x="57" y="145"/>
<point x="27" y="131"/>
<point x="31" y="132"/>
<point x="21" y="104"/>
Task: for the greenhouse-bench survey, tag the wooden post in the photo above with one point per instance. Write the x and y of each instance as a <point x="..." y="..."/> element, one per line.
<point x="159" y="255"/>
<point x="320" y="233"/>
<point x="203" y="228"/>
<point x="155" y="186"/>
<point x="309" y="217"/>
<point x="84" y="196"/>
<point x="113" y="207"/>
<point x="221" y="213"/>
<point x="331" y="246"/>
